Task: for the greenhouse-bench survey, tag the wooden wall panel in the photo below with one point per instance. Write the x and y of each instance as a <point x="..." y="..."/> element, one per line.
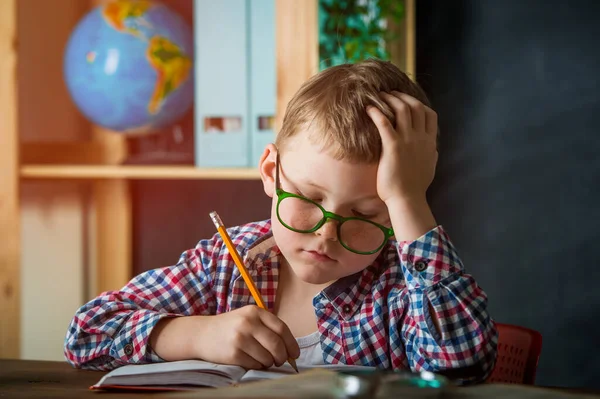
<point x="51" y="265"/>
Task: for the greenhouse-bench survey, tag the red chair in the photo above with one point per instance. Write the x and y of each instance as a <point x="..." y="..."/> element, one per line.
<point x="518" y="354"/>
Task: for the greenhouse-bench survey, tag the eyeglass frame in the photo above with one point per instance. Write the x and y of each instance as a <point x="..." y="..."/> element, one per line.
<point x="282" y="194"/>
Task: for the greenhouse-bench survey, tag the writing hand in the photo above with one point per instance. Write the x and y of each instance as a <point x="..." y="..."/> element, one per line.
<point x="250" y="337"/>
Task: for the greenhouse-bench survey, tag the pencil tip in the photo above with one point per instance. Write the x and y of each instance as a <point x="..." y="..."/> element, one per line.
<point x="292" y="362"/>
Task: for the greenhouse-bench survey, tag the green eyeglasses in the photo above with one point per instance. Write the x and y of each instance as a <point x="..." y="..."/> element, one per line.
<point x="302" y="215"/>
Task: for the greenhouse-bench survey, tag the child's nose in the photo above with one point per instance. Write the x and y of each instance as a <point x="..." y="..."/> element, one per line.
<point x="329" y="230"/>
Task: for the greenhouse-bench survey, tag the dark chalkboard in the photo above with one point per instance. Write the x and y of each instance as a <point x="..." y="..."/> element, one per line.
<point x="516" y="86"/>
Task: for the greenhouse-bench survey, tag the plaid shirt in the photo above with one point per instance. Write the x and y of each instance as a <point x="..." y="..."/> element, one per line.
<point x="378" y="317"/>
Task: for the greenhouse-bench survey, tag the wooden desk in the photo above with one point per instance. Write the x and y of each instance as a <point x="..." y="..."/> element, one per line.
<point x="41" y="379"/>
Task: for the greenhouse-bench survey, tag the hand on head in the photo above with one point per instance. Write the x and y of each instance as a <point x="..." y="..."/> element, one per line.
<point x="409" y="149"/>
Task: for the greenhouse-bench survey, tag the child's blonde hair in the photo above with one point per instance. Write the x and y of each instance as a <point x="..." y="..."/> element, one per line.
<point x="333" y="103"/>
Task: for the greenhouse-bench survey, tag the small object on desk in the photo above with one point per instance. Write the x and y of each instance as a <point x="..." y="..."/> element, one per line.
<point x="240" y="265"/>
<point x="357" y="384"/>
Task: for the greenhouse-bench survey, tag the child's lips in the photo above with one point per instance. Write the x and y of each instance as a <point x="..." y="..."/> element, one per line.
<point x="319" y="256"/>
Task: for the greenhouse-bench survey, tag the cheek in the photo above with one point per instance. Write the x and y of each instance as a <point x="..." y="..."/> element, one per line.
<point x="286" y="239"/>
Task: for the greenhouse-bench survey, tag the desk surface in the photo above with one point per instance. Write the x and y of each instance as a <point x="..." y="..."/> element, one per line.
<point x="42" y="379"/>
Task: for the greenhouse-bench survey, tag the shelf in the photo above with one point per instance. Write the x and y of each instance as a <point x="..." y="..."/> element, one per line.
<point x="135" y="172"/>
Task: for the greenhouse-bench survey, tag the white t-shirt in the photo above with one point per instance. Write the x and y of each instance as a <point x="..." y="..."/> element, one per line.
<point x="310" y="350"/>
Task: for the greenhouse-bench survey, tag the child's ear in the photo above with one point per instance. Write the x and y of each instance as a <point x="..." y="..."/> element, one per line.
<point x="266" y="167"/>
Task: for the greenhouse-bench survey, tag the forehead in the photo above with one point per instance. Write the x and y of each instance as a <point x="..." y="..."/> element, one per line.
<point x="304" y="160"/>
<point x="309" y="141"/>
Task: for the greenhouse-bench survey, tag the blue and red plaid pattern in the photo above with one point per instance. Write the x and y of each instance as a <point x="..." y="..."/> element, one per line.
<point x="378" y="317"/>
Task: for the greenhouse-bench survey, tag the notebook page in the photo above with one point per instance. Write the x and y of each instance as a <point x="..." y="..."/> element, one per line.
<point x="194" y="372"/>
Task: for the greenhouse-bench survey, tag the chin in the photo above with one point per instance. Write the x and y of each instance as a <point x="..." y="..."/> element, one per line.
<point x="315" y="280"/>
<point x="312" y="275"/>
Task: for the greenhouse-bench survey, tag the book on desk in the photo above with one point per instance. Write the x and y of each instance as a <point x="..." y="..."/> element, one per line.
<point x="190" y="374"/>
<point x="192" y="377"/>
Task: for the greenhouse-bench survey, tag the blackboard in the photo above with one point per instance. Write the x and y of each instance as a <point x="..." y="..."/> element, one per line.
<point x="516" y="87"/>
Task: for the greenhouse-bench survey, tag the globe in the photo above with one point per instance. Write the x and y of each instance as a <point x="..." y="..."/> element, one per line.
<point x="128" y="66"/>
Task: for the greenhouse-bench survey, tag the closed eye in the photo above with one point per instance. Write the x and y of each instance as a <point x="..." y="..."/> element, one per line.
<point x="363" y="215"/>
<point x="317" y="200"/>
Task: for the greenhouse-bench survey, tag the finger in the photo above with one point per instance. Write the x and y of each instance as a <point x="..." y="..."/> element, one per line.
<point x="273" y="343"/>
<point x="431" y="121"/>
<point x="258" y="352"/>
<point x="402" y="113"/>
<point x="248" y="362"/>
<point x="275" y="324"/>
<point x="417" y="110"/>
<point x="383" y="124"/>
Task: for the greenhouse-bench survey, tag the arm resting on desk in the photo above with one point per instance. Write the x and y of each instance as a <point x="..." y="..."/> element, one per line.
<point x="114" y="328"/>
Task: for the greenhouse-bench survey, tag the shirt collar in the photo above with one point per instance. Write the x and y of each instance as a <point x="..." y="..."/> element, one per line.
<point x="348" y="293"/>
<point x="262" y="253"/>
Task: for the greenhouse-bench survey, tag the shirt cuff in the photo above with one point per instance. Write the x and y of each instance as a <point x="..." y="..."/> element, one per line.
<point x="429" y="259"/>
<point x="131" y="345"/>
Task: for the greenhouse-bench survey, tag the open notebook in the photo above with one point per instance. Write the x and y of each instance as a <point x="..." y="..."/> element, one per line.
<point x="190" y="374"/>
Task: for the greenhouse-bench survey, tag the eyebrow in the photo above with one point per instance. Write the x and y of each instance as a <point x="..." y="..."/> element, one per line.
<point x="311" y="183"/>
<point x="365" y="198"/>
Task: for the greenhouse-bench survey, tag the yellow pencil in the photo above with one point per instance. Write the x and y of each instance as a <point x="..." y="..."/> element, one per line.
<point x="240" y="265"/>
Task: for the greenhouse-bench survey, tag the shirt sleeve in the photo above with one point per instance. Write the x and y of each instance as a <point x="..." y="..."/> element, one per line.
<point x="114" y="328"/>
<point x="464" y="348"/>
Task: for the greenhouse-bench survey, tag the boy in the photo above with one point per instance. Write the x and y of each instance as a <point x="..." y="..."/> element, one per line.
<point x="348" y="171"/>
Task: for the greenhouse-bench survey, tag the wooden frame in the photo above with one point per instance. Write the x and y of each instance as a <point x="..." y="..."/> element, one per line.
<point x="297" y="23"/>
<point x="403" y="54"/>
<point x="9" y="185"/>
<point x="98" y="160"/>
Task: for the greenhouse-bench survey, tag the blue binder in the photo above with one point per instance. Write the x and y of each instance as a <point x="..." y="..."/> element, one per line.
<point x="235" y="78"/>
<point x="221" y="85"/>
<point x="263" y="77"/>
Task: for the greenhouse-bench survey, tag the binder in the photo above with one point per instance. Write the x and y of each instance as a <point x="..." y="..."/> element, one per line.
<point x="263" y="77"/>
<point x="221" y="83"/>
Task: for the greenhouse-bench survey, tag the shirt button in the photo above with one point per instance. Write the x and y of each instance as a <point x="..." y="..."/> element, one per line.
<point x="346" y="308"/>
<point x="421" y="265"/>
<point x="128" y="349"/>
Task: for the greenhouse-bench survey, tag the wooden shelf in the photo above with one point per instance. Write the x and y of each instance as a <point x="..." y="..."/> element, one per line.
<point x="135" y="172"/>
